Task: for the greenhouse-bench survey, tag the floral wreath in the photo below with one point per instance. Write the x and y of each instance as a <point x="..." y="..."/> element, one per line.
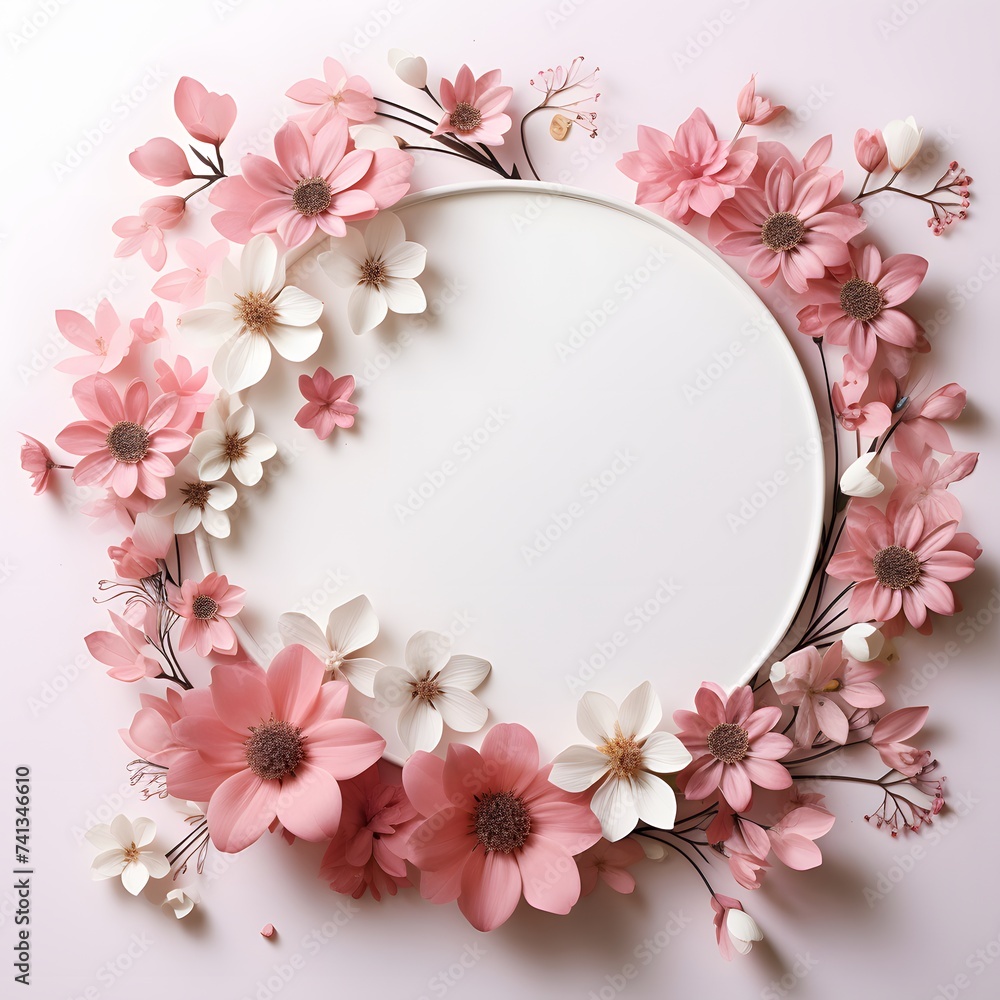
<point x="249" y="750"/>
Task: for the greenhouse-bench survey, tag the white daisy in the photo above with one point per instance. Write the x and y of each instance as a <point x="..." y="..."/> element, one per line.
<point x="350" y="627"/>
<point x="255" y="311"/>
<point x="126" y="852"/>
<point x="434" y="690"/>
<point x="626" y="758"/>
<point x="192" y="500"/>
<point x="235" y="446"/>
<point x="380" y="266"/>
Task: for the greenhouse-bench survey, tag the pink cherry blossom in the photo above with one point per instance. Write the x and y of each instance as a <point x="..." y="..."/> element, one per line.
<point x="754" y="110"/>
<point x="187" y="286"/>
<point x="793" y="836"/>
<point x="161" y="161"/>
<point x="106" y="340"/>
<point x="692" y="173"/>
<point x="327" y="403"/>
<point x="149" y="328"/>
<point x="206" y="116"/>
<point x="473" y="110"/>
<point x="185" y="383"/>
<point x="609" y="862"/>
<point x="275" y="746"/>
<point x="36" y="460"/>
<point x="144" y="232"/>
<point x="732" y="746"/>
<point x="137" y="556"/>
<point x="127" y="653"/>
<point x="206" y="605"/>
<point x="496" y="827"/>
<point x="890" y="732"/>
<point x="350" y="97"/>
<point x="126" y="440"/>
<point x="923" y="481"/>
<point x="869" y="148"/>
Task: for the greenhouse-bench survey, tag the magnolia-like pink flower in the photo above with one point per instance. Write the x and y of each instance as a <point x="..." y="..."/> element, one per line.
<point x="276" y="746"/>
<point x="735" y="929"/>
<point x="319" y="180"/>
<point x="125" y="653"/>
<point x="889" y="733"/>
<point x="161" y="161"/>
<point x="137" y="556"/>
<point x="692" y="173"/>
<point x="206" y="116"/>
<point x="205" y="605"/>
<point x="862" y="309"/>
<point x="732" y="746"/>
<point x="150" y="736"/>
<point x="327" y="403"/>
<point x="496" y="827"/>
<point x="125" y="441"/>
<point x="793" y="836"/>
<point x="106" y="340"/>
<point x="609" y="862"/>
<point x="474" y="109"/>
<point x="148" y="328"/>
<point x="869" y="148"/>
<point x="36" y="460"/>
<point x="187" y="286"/>
<point x="923" y="481"/>
<point x="144" y="232"/>
<point x="368" y="853"/>
<point x="754" y="110"/>
<point x="791" y="226"/>
<point x="946" y="403"/>
<point x="862" y="404"/>
<point x="825" y="689"/>
<point x="745" y="842"/>
<point x="350" y="97"/>
<point x="185" y="383"/>
<point x="900" y="562"/>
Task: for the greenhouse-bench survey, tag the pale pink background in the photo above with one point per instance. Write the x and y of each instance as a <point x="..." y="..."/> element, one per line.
<point x="861" y="65"/>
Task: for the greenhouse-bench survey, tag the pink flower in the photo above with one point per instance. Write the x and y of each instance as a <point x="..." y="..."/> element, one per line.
<point x="238" y="202"/>
<point x="318" y="181"/>
<point x="187" y="286"/>
<point x="36" y="460"/>
<point x="900" y="562"/>
<point x="184" y="382"/>
<point x="496" y="827"/>
<point x="161" y="161"/>
<point x="862" y="309"/>
<point x="923" y="481"/>
<point x="826" y="690"/>
<point x="473" y="109"/>
<point x="735" y="929"/>
<point x="608" y="863"/>
<point x="124" y="653"/>
<point x="106" y="340"/>
<point x="860" y="404"/>
<point x="145" y="231"/>
<point x="205" y="115"/>
<point x="888" y="735"/>
<point x="350" y="97"/>
<point x="792" y="837"/>
<point x="869" y="148"/>
<point x="695" y="172"/>
<point x="276" y="746"/>
<point x="148" y="328"/>
<point x="150" y="736"/>
<point x="137" y="557"/>
<point x="126" y="442"/>
<point x="368" y="852"/>
<point x="754" y="110"/>
<point x="946" y="403"/>
<point x="327" y="403"/>
<point x="790" y="227"/>
<point x="732" y="746"/>
<point x="205" y="607"/>
<point x="745" y="842"/>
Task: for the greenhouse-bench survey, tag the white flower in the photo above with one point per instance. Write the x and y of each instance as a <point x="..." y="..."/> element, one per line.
<point x="234" y="446"/>
<point x="743" y="930"/>
<point x="434" y="690"/>
<point x="902" y="142"/>
<point x="125" y="851"/>
<point x="626" y="758"/>
<point x="350" y="627"/>
<point x="193" y="501"/>
<point x="863" y="641"/>
<point x="861" y="477"/>
<point x="380" y="267"/>
<point x="372" y="137"/>
<point x="409" y="68"/>
<point x="180" y="902"/>
<point x="256" y="311"/>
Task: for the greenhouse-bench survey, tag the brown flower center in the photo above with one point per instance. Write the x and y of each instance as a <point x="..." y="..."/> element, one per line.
<point x="502" y="821"/>
<point x="274" y="749"/>
<point x="128" y="442"/>
<point x="235" y="447"/>
<point x="131" y="853"/>
<point x="204" y="607"/>
<point x="624" y="755"/>
<point x="782" y="231"/>
<point x="465" y="118"/>
<point x="311" y="196"/>
<point x="728" y="742"/>
<point x="196" y="494"/>
<point x="427" y="688"/>
<point x="256" y="312"/>
<point x="861" y="300"/>
<point x="896" y="568"/>
<point x="373" y="273"/>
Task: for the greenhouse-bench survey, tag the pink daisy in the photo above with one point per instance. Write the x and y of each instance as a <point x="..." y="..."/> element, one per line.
<point x="36" y="460"/>
<point x="692" y="173"/>
<point x="732" y="746"/>
<point x="205" y="605"/>
<point x="276" y="746"/>
<point x="327" y="403"/>
<point x="473" y="109"/>
<point x="496" y="827"/>
<point x="125" y="441"/>
<point x="350" y="97"/>
<point x="860" y="310"/>
<point x="106" y="340"/>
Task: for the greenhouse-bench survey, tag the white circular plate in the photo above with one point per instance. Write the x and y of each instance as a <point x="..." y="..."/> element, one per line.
<point x="594" y="460"/>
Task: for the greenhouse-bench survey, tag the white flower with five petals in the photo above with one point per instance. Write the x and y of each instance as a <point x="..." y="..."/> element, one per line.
<point x="193" y="501"/>
<point x="235" y="446"/>
<point x="126" y="851"/>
